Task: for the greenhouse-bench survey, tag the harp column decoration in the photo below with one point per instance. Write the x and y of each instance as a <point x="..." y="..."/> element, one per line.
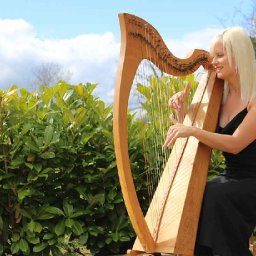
<point x="175" y="230"/>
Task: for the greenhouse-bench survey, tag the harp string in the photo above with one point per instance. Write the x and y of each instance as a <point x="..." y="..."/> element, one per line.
<point x="157" y="128"/>
<point x="161" y="87"/>
<point x="156" y="119"/>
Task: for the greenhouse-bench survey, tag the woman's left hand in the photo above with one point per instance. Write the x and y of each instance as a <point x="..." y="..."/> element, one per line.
<point x="177" y="130"/>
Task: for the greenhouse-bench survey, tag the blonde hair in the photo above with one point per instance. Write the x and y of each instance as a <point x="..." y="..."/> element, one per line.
<point x="239" y="49"/>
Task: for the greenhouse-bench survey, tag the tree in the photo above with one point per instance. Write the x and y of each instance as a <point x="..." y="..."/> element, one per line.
<point x="250" y="25"/>
<point x="50" y="73"/>
<point x="251" y="22"/>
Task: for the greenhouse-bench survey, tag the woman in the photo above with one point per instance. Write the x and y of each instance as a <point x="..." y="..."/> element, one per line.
<point x="228" y="214"/>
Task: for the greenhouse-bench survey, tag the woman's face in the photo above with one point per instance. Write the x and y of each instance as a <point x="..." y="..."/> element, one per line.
<point x="220" y="62"/>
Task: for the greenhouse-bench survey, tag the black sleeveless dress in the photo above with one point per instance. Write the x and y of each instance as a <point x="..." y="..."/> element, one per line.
<point x="228" y="214"/>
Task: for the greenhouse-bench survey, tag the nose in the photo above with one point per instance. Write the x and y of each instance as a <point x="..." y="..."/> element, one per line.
<point x="214" y="61"/>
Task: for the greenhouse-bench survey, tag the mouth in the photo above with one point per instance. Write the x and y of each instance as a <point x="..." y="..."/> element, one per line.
<point x="218" y="69"/>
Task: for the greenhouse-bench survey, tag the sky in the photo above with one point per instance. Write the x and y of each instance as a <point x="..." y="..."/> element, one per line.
<point x="83" y="36"/>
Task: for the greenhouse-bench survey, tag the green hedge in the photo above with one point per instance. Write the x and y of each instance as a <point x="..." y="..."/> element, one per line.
<point x="59" y="187"/>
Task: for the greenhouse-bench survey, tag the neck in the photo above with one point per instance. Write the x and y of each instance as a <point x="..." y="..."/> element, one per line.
<point x="234" y="86"/>
<point x="234" y="90"/>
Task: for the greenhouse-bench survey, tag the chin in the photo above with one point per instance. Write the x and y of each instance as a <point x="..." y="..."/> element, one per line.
<point x="220" y="76"/>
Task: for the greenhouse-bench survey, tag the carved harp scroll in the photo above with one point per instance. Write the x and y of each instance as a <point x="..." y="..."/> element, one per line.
<point x="176" y="229"/>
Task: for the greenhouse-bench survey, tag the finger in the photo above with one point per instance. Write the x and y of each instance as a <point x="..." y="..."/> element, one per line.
<point x="168" y="136"/>
<point x="179" y="101"/>
<point x="175" y="105"/>
<point x="169" y="141"/>
<point x="173" y="119"/>
<point x="172" y="103"/>
<point x="187" y="88"/>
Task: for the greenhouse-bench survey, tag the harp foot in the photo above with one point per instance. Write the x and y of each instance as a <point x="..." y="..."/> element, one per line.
<point x="140" y="253"/>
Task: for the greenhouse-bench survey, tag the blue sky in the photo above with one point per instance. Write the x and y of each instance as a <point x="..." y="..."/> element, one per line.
<point x="83" y="36"/>
<point x="65" y="18"/>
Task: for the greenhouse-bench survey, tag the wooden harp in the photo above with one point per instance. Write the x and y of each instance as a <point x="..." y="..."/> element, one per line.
<point x="186" y="170"/>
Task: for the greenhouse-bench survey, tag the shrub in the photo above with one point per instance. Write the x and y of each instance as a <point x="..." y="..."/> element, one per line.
<point x="59" y="188"/>
<point x="58" y="177"/>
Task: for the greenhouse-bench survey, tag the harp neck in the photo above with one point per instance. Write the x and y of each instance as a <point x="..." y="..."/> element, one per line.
<point x="141" y="39"/>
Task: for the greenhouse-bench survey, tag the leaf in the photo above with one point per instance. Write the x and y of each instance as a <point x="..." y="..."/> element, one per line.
<point x="60" y="227"/>
<point x="97" y="199"/>
<point x="25" y="193"/>
<point x="38" y="227"/>
<point x="12" y="91"/>
<point x="48" y="236"/>
<point x="24" y="93"/>
<point x="1" y="224"/>
<point x="68" y="208"/>
<point x="25" y="213"/>
<point x="33" y="240"/>
<point x="54" y="210"/>
<point x="83" y="238"/>
<point x="78" y="214"/>
<point x="125" y="239"/>
<point x="112" y="194"/>
<point x="31" y="225"/>
<point x="108" y="240"/>
<point x="115" y="237"/>
<point x="47" y="155"/>
<point x="15" y="248"/>
<point x="40" y="247"/>
<point x="17" y="161"/>
<point x="88" y="136"/>
<point x="95" y="230"/>
<point x="56" y="251"/>
<point x="79" y="89"/>
<point x="23" y="244"/>
<point x="48" y="134"/>
<point x="69" y="223"/>
<point x="29" y="165"/>
<point x="38" y="167"/>
<point x="26" y="128"/>
<point x="101" y="243"/>
<point x="15" y="237"/>
<point x="77" y="227"/>
<point x="31" y="146"/>
<point x="52" y="242"/>
<point x="68" y="94"/>
<point x="45" y="216"/>
<point x="32" y="176"/>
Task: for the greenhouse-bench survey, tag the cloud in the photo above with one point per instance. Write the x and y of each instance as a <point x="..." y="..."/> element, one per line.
<point x="88" y="57"/>
<point x="194" y="40"/>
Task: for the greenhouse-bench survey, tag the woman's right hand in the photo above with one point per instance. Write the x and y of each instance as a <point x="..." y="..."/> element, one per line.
<point x="177" y="100"/>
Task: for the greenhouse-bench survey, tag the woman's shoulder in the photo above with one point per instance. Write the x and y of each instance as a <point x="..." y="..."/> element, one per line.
<point x="252" y="105"/>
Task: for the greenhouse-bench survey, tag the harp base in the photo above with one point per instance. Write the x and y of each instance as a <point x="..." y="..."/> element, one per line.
<point x="140" y="253"/>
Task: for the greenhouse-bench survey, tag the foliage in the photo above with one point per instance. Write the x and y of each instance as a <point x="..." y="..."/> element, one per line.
<point x="254" y="44"/>
<point x="157" y="121"/>
<point x="59" y="188"/>
<point x="217" y="164"/>
<point x="58" y="177"/>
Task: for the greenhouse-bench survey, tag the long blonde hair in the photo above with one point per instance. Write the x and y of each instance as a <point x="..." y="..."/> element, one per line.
<point x="239" y="48"/>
